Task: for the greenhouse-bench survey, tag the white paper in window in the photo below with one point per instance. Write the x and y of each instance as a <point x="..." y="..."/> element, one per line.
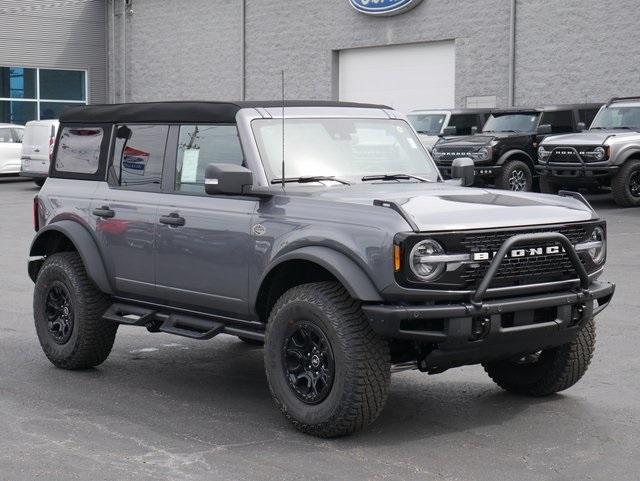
<point x="190" y="166"/>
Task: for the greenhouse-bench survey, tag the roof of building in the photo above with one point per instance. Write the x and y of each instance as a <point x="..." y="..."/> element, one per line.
<point x="184" y="111"/>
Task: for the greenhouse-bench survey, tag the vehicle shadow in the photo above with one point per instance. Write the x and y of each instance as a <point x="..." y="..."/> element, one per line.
<point x="227" y="382"/>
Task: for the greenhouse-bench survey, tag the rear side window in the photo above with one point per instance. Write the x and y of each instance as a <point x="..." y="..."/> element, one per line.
<point x="561" y="122"/>
<point x="201" y="145"/>
<point x="79" y="150"/>
<point x="138" y="156"/>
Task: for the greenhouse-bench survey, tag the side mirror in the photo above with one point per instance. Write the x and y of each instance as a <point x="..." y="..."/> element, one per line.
<point x="544" y="129"/>
<point x="581" y="126"/>
<point x="227" y="179"/>
<point x="450" y="130"/>
<point x="474" y="130"/>
<point x="464" y="169"/>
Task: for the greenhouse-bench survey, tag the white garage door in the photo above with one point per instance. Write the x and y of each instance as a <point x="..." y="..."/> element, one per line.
<point x="406" y="77"/>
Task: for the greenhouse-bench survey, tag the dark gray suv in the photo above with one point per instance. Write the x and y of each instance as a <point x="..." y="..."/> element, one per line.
<point x="321" y="230"/>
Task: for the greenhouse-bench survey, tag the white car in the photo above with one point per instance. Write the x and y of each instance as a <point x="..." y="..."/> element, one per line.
<point x="10" y="147"/>
<point x="37" y="148"/>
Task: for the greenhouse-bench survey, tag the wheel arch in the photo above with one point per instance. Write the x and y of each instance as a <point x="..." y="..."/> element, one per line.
<point x="67" y="235"/>
<point x="517" y="154"/>
<point x="312" y="264"/>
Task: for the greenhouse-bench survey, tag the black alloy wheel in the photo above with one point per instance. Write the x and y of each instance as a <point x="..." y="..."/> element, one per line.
<point x="634" y="184"/>
<point x="308" y="362"/>
<point x="59" y="313"/>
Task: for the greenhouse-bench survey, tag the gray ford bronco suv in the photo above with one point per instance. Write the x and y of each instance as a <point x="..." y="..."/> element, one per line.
<point x="349" y="260"/>
<point x="607" y="155"/>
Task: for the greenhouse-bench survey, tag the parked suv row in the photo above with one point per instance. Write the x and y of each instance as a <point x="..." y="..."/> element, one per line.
<point x="433" y="124"/>
<point x="506" y="150"/>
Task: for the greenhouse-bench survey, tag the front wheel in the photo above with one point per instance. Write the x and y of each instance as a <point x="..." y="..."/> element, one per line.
<point x="328" y="372"/>
<point x="515" y="176"/>
<point x="626" y="184"/>
<point x="546" y="372"/>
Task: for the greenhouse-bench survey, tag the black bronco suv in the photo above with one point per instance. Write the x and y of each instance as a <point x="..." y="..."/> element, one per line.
<point x="345" y="253"/>
<point x="506" y="151"/>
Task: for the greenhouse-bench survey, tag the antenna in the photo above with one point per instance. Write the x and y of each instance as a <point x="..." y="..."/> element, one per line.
<point x="283" y="105"/>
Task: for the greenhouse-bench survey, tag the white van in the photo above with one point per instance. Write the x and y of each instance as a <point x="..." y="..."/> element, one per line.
<point x="37" y="148"/>
<point x="10" y="146"/>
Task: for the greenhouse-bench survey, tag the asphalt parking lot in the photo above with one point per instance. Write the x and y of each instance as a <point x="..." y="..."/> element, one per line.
<point x="163" y="407"/>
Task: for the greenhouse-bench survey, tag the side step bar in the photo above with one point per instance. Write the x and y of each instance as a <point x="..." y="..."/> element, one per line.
<point x="186" y="325"/>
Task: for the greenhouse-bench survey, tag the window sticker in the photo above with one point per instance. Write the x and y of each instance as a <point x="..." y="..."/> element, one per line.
<point x="189" y="172"/>
<point x="134" y="161"/>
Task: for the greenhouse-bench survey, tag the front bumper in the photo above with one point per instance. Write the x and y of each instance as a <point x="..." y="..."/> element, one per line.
<point x="576" y="173"/>
<point x="459" y="333"/>
<point x="482" y="172"/>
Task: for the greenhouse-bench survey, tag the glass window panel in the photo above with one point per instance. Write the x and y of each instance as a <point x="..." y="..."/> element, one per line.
<point x="18" y="82"/>
<point x="52" y="110"/>
<point x="17" y="112"/>
<point x="201" y="145"/>
<point x="18" y="135"/>
<point x="62" y="85"/>
<point x="6" y="136"/>
<point x="138" y="156"/>
<point x="79" y="150"/>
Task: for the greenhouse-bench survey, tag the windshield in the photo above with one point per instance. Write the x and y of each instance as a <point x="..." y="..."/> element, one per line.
<point x="344" y="148"/>
<point x="617" y="118"/>
<point x="427" y="123"/>
<point x="520" y="122"/>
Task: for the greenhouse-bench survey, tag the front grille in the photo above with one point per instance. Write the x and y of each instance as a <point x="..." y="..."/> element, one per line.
<point x="449" y="154"/>
<point x="523" y="270"/>
<point x="572" y="154"/>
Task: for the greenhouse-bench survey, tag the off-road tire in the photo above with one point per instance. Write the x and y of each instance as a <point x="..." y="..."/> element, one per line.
<point x="251" y="342"/>
<point x="362" y="360"/>
<point x="91" y="337"/>
<point x="510" y="168"/>
<point x="548" y="187"/>
<point x="556" y="370"/>
<point x="39" y="182"/>
<point x="620" y="184"/>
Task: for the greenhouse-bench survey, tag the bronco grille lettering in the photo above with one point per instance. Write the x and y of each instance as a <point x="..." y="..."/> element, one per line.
<point x="516" y="253"/>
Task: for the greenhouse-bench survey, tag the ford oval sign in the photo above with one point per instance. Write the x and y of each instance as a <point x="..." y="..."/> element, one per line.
<point x="383" y="7"/>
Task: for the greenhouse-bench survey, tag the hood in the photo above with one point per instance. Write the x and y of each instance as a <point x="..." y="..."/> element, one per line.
<point x="443" y="206"/>
<point x="592" y="137"/>
<point x="479" y="139"/>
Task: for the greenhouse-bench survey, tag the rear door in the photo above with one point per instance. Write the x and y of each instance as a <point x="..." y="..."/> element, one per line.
<point x="125" y="208"/>
<point x="204" y="242"/>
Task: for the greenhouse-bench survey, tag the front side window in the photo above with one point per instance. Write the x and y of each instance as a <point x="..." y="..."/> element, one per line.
<point x="463" y="123"/>
<point x="512" y="122"/>
<point x="201" y="145"/>
<point x="79" y="150"/>
<point x="618" y="118"/>
<point x="427" y="123"/>
<point x="344" y="148"/>
<point x="138" y="156"/>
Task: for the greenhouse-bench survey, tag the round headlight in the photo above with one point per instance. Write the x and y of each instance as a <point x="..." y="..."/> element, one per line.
<point x="598" y="253"/>
<point x="542" y="152"/>
<point x="484" y="153"/>
<point x="424" y="270"/>
<point x="599" y="153"/>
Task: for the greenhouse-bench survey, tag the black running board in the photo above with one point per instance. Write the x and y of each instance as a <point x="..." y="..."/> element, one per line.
<point x="181" y="324"/>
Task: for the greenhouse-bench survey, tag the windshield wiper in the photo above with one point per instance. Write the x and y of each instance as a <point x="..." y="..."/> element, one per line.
<point x="426" y="132"/>
<point x="310" y="179"/>
<point x="367" y="178"/>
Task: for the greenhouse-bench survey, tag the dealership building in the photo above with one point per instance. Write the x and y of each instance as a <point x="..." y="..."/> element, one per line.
<point x="409" y="54"/>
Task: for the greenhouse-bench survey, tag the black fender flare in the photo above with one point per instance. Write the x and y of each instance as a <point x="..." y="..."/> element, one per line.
<point x="84" y="243"/>
<point x="349" y="274"/>
<point x="507" y="155"/>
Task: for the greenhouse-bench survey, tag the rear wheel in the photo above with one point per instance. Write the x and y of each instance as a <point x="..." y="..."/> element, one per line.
<point x="626" y="184"/>
<point x="40" y="182"/>
<point x="328" y="372"/>
<point x="68" y="311"/>
<point x="516" y="176"/>
<point x="546" y="372"/>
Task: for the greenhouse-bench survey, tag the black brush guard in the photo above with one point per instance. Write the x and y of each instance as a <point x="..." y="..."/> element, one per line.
<point x="479" y="330"/>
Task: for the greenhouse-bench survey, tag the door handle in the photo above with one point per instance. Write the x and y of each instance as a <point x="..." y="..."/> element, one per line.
<point x="105" y="212"/>
<point x="172" y="219"/>
<point x="36" y="150"/>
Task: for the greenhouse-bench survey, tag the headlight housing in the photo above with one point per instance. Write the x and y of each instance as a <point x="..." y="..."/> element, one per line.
<point x="598" y="254"/>
<point x="542" y="152"/>
<point x="484" y="153"/>
<point x="599" y="153"/>
<point x="426" y="271"/>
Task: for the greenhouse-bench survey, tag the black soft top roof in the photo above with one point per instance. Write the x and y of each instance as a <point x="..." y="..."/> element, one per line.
<point x="184" y="111"/>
